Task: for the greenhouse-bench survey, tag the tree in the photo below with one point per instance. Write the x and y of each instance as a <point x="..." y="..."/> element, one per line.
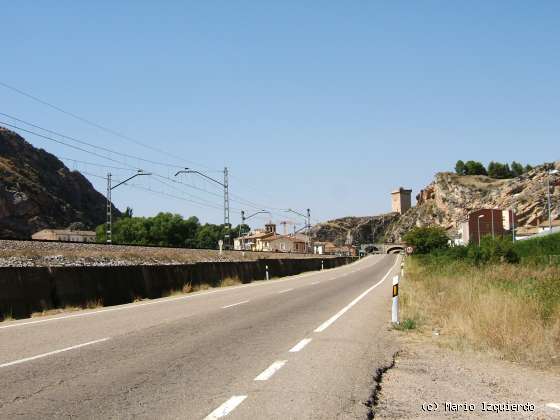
<point x="460" y="168"/>
<point x="128" y="212"/>
<point x="427" y="239"/>
<point x="528" y="168"/>
<point x="475" y="168"/>
<point x="499" y="170"/>
<point x="517" y="168"/>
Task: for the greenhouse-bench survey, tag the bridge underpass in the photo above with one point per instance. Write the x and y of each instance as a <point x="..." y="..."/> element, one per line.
<point x="389" y="248"/>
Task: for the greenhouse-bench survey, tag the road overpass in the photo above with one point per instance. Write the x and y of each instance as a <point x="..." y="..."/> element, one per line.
<point x="384" y="248"/>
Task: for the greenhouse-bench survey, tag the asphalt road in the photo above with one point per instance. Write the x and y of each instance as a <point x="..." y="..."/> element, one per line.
<point x="300" y="347"/>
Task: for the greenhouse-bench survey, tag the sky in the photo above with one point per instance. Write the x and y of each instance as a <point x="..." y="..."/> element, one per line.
<point x="321" y="105"/>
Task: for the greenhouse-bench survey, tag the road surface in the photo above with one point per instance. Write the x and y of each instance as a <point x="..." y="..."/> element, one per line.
<point x="300" y="347"/>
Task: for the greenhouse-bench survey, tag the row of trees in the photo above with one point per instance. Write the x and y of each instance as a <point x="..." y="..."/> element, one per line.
<point x="167" y="229"/>
<point x="494" y="170"/>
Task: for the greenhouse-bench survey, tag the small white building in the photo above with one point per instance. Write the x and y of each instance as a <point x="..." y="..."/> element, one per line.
<point x="64" y="235"/>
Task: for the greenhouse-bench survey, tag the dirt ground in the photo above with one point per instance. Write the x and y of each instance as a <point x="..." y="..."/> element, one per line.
<point x="427" y="373"/>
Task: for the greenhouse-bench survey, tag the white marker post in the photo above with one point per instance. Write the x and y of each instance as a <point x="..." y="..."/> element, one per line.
<point x="321" y="265"/>
<point x="220" y="245"/>
<point x="266" y="268"/>
<point x="402" y="269"/>
<point x="395" y="310"/>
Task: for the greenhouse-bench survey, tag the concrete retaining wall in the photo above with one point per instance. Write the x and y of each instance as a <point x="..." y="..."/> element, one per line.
<point x="33" y="289"/>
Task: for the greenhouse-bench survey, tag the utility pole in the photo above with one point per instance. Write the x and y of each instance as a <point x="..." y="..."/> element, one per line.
<point x="307" y="226"/>
<point x="109" y="227"/>
<point x="478" y="221"/>
<point x="225" y="186"/>
<point x="549" y="202"/>
<point x="243" y="219"/>
<point x="308" y="230"/>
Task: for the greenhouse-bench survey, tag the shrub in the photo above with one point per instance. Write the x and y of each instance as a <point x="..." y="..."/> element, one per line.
<point x="427" y="239"/>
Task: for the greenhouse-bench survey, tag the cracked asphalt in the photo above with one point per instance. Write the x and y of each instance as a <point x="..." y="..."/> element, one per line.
<point x="314" y="342"/>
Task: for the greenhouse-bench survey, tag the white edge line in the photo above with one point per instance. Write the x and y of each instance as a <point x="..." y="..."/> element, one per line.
<point x="166" y="300"/>
<point x="333" y="318"/>
<point x="40" y="356"/>
<point x="287" y="290"/>
<point x="271" y="370"/>
<point x="300" y="345"/>
<point x="234" y="304"/>
<point x="554" y="405"/>
<point x="226" y="408"/>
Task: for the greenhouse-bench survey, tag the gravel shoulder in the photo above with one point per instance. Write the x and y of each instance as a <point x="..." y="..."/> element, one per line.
<point x="41" y="254"/>
<point x="425" y="371"/>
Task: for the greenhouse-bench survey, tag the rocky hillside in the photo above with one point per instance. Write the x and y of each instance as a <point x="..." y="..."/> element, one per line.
<point x="450" y="198"/>
<point x="447" y="201"/>
<point x="38" y="191"/>
<point x="354" y="230"/>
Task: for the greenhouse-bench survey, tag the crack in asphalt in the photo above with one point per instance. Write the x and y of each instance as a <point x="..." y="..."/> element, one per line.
<point x="373" y="400"/>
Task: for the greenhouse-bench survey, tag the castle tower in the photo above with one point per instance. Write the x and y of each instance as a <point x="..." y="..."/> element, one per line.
<point x="400" y="200"/>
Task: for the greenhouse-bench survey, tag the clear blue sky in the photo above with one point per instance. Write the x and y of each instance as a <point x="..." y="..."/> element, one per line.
<point x="327" y="105"/>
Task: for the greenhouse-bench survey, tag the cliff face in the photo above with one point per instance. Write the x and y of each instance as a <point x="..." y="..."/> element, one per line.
<point x="450" y="198"/>
<point x="354" y="230"/>
<point x="447" y="201"/>
<point x="38" y="191"/>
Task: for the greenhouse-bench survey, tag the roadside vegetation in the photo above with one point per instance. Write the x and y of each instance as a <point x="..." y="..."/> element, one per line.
<point x="167" y="229"/>
<point x="501" y="297"/>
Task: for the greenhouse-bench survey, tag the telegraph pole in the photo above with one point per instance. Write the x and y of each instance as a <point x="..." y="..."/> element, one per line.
<point x="308" y="230"/>
<point x="226" y="209"/>
<point x="225" y="186"/>
<point x="109" y="227"/>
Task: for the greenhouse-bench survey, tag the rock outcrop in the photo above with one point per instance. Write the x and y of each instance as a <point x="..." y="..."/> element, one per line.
<point x="38" y="191"/>
<point x="447" y="201"/>
<point x="354" y="230"/>
<point x="450" y="198"/>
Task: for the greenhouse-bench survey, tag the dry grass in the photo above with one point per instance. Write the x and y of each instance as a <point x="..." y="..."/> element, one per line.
<point x="510" y="310"/>
<point x="94" y="304"/>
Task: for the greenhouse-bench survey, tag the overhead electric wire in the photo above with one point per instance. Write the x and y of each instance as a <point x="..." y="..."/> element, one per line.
<point x="234" y="197"/>
<point x="99" y="126"/>
<point x="74" y="139"/>
<point x="63" y="143"/>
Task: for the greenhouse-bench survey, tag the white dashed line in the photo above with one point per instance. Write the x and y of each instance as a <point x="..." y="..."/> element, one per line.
<point x="554" y="405"/>
<point x="316" y="282"/>
<point x="226" y="408"/>
<point x="300" y="345"/>
<point x="286" y="290"/>
<point x="332" y="319"/>
<point x="40" y="356"/>
<point x="271" y="370"/>
<point x="234" y="304"/>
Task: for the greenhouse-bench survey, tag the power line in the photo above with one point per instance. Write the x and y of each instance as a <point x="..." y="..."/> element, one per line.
<point x="236" y="198"/>
<point x="76" y="140"/>
<point x="97" y="125"/>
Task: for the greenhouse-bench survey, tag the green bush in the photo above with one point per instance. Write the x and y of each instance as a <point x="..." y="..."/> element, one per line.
<point x="427" y="239"/>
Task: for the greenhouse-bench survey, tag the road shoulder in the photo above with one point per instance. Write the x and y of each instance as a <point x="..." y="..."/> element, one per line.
<point x="427" y="372"/>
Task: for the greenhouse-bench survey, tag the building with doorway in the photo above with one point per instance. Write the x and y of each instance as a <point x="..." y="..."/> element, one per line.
<point x="401" y="200"/>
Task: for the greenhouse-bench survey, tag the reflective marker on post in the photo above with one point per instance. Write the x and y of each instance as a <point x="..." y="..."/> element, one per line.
<point x="395" y="310"/>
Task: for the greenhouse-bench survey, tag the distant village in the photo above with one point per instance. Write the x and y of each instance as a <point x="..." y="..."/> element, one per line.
<point x="478" y="223"/>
